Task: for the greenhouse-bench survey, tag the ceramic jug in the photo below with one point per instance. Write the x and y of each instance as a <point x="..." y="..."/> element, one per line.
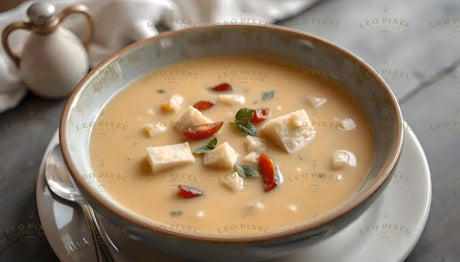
<point x="53" y="59"/>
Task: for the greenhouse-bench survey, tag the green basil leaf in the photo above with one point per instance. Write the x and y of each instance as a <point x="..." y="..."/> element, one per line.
<point x="242" y="121"/>
<point x="247" y="128"/>
<point x="161" y="91"/>
<point x="247" y="171"/>
<point x="212" y="143"/>
<point x="268" y="95"/>
<point x="244" y="115"/>
<point x="204" y="149"/>
<point x="176" y="213"/>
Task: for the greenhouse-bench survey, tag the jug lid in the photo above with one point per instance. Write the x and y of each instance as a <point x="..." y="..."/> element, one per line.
<point x="42" y="17"/>
<point x="41" y="13"/>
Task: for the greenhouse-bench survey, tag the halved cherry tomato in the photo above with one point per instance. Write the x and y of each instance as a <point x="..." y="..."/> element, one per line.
<point x="203" y="105"/>
<point x="202" y="131"/>
<point x="270" y="172"/>
<point x="222" y="87"/>
<point x="260" y="114"/>
<point x="189" y="191"/>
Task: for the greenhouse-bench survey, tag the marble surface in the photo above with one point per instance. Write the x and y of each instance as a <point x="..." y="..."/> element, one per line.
<point x="414" y="45"/>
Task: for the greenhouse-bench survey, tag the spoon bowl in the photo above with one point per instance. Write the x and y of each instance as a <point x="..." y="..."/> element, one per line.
<point x="59" y="179"/>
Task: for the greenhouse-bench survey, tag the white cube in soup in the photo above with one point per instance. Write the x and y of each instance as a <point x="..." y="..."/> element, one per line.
<point x="232" y="181"/>
<point x="152" y="129"/>
<point x="316" y="102"/>
<point x="252" y="158"/>
<point x="223" y="156"/>
<point x="291" y="131"/>
<point x="343" y="158"/>
<point x="173" y="104"/>
<point x="232" y="99"/>
<point x="255" y="144"/>
<point x="170" y="156"/>
<point x="191" y="117"/>
<point x="346" y="124"/>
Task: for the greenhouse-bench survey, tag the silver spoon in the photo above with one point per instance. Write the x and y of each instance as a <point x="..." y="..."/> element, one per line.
<point x="62" y="184"/>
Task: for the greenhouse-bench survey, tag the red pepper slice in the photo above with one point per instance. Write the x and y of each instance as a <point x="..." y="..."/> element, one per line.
<point x="202" y="131"/>
<point x="260" y="114"/>
<point x="189" y="191"/>
<point x="203" y="105"/>
<point x="222" y="88"/>
<point x="270" y="172"/>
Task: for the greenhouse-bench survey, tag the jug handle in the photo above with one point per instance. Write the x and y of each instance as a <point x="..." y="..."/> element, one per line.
<point x="6" y="33"/>
<point x="82" y="9"/>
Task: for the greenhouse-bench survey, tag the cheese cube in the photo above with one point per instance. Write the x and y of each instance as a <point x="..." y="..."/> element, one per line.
<point x="166" y="157"/>
<point x="291" y="131"/>
<point x="173" y="104"/>
<point x="316" y="102"/>
<point x="346" y="124"/>
<point x="343" y="158"/>
<point x="252" y="158"/>
<point x="191" y="117"/>
<point x="153" y="129"/>
<point x="233" y="182"/>
<point x="232" y="99"/>
<point x="255" y="144"/>
<point x="223" y="156"/>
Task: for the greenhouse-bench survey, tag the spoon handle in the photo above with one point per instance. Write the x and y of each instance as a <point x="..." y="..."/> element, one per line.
<point x="101" y="251"/>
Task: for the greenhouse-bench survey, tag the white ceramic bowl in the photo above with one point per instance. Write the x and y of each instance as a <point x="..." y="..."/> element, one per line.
<point x="360" y="81"/>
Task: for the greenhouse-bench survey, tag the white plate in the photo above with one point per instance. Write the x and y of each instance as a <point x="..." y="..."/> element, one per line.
<point x="387" y="231"/>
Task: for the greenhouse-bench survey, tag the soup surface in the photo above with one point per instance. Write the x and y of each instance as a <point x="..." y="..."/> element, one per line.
<point x="322" y="161"/>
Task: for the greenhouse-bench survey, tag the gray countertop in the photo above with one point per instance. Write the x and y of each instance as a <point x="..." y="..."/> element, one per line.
<point x="414" y="45"/>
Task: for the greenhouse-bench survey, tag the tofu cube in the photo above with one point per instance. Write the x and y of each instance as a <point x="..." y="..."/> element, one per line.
<point x="153" y="129"/>
<point x="316" y="102"/>
<point x="223" y="156"/>
<point x="166" y="157"/>
<point x="233" y="182"/>
<point x="345" y="124"/>
<point x="191" y="117"/>
<point x="173" y="104"/>
<point x="343" y="158"/>
<point x="232" y="99"/>
<point x="255" y="144"/>
<point x="291" y="131"/>
<point x="252" y="158"/>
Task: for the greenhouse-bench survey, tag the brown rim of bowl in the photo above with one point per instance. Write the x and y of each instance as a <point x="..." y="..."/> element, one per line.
<point x="383" y="175"/>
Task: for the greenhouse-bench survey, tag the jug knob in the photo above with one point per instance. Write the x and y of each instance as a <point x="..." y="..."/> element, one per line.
<point x="41" y="13"/>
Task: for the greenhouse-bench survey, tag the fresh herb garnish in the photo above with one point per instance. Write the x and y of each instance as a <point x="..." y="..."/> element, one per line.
<point x="176" y="213"/>
<point x="247" y="128"/>
<point x="243" y="121"/>
<point x="244" y="115"/>
<point x="161" y="91"/>
<point x="246" y="171"/>
<point x="268" y="95"/>
<point x="210" y="146"/>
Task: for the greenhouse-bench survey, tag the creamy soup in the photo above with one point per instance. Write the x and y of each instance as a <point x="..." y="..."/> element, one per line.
<point x="309" y="148"/>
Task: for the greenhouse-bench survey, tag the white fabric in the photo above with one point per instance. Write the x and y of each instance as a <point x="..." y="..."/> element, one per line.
<point x="121" y="22"/>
